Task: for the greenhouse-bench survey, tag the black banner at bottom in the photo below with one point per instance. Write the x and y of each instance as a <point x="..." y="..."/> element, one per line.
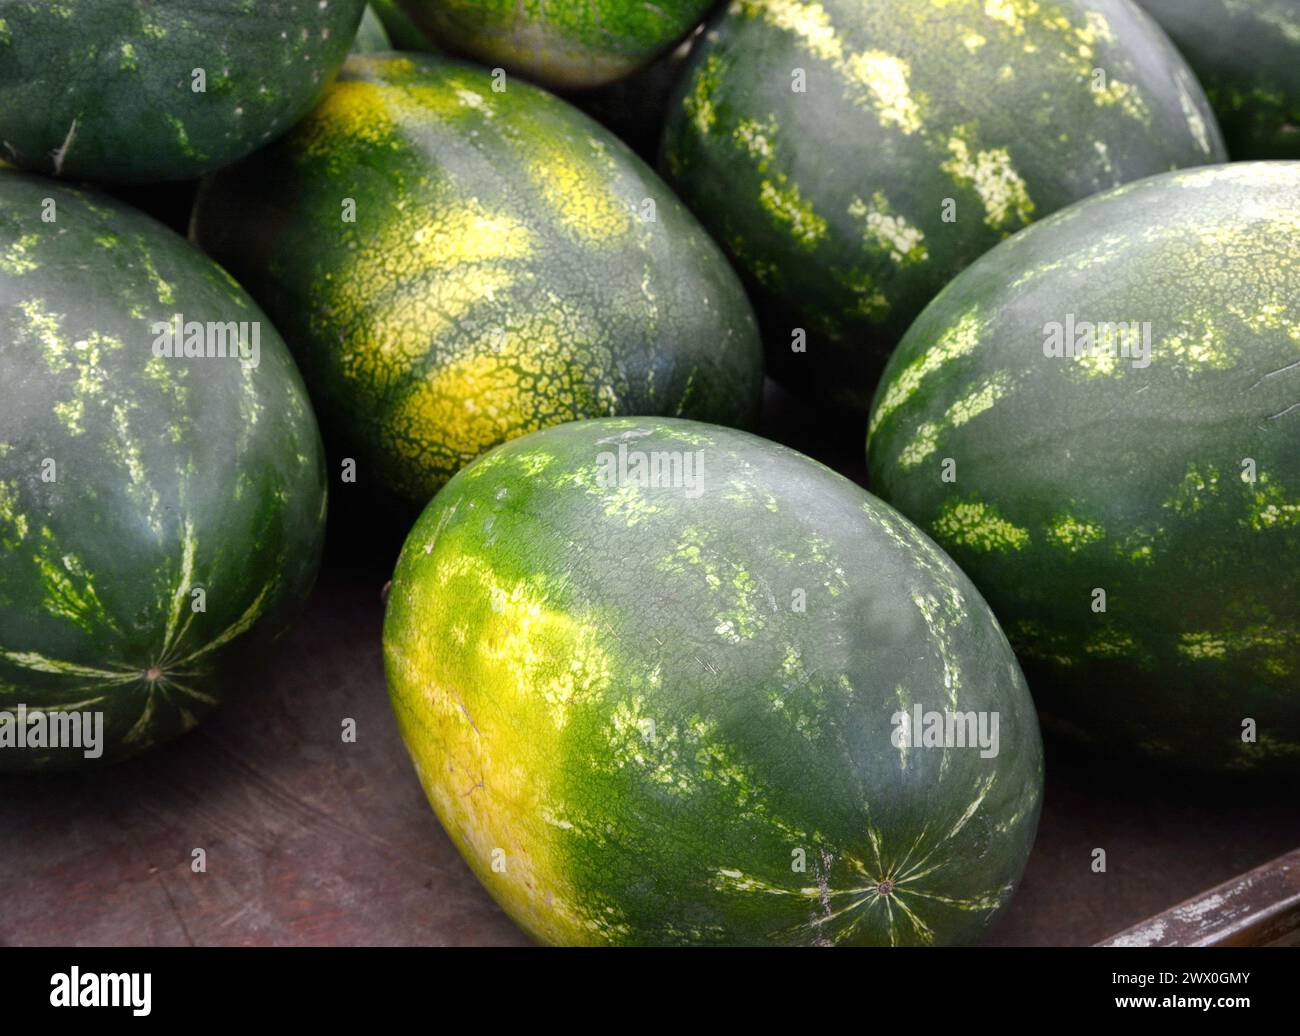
<point x="342" y="985"/>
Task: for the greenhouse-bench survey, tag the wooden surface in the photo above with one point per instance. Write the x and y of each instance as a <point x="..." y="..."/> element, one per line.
<point x="1259" y="908"/>
<point x="313" y="841"/>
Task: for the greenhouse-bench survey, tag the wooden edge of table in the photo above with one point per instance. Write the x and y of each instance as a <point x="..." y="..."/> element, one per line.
<point x="1258" y="908"/>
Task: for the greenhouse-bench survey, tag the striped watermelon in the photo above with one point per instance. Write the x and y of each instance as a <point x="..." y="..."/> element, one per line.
<point x="1169" y="482"/>
<point x="456" y="265"/>
<point x="1246" y="54"/>
<point x="855" y="156"/>
<point x="655" y="710"/>
<point x="130" y="92"/>
<point x="161" y="518"/>
<point x="562" y="43"/>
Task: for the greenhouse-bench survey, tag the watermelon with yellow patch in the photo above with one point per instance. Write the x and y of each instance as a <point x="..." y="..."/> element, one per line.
<point x="122" y="91"/>
<point x="659" y="679"/>
<point x="1099" y="420"/>
<point x="456" y="265"/>
<point x="854" y="157"/>
<point x="562" y="43"/>
<point x="1246" y="53"/>
<point x="161" y="516"/>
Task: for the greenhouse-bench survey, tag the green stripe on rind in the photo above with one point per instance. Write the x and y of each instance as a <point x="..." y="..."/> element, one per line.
<point x="510" y="266"/>
<point x="1093" y="473"/>
<point x="939" y="126"/>
<point x="563" y="43"/>
<point x="128" y="481"/>
<point x="611" y="687"/>
<point x="106" y="90"/>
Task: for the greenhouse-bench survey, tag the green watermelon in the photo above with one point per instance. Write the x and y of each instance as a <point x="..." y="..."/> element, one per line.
<point x="562" y="43"/>
<point x="1246" y="54"/>
<point x="130" y="92"/>
<point x="652" y="675"/>
<point x="161" y="517"/>
<point x="510" y="266"/>
<point x="404" y="33"/>
<point x="853" y="157"/>
<point x="371" y="36"/>
<point x="1160" y="465"/>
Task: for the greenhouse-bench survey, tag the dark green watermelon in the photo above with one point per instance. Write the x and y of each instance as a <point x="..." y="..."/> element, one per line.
<point x="1246" y="54"/>
<point x="1161" y="467"/>
<point x="161" y="518"/>
<point x="665" y="709"/>
<point x="106" y="89"/>
<point x="562" y="43"/>
<point x="854" y="157"/>
<point x="456" y="265"/>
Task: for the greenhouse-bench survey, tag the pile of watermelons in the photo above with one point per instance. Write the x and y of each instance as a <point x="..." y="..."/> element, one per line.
<point x="663" y="680"/>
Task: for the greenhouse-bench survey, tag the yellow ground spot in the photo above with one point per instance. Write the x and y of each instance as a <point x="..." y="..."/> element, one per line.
<point x="577" y="188"/>
<point x="991" y="175"/>
<point x="1073" y="533"/>
<point x="488" y="394"/>
<point x="978" y="526"/>
<point x="957" y="340"/>
<point x="350" y="110"/>
<point x="787" y="206"/>
<point x="356" y="111"/>
<point x="460" y="256"/>
<point x="893" y="233"/>
<point x="482" y="718"/>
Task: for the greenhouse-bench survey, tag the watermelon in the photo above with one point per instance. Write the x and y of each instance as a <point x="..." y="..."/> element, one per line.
<point x="658" y="680"/>
<point x="508" y="265"/>
<point x="854" y="156"/>
<point x="129" y="92"/>
<point x="371" y="36"/>
<point x="1105" y="404"/>
<point x="1246" y="54"/>
<point x="562" y="43"/>
<point x="404" y="33"/>
<point x="161" y="517"/>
